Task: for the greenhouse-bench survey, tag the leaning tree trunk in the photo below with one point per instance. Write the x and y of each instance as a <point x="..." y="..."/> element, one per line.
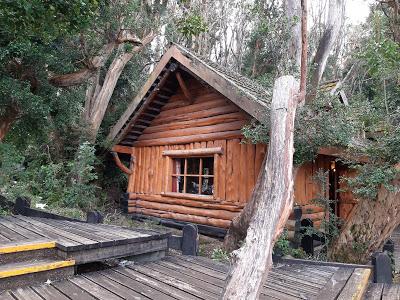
<point x="325" y="45"/>
<point x="370" y="224"/>
<point x="274" y="196"/>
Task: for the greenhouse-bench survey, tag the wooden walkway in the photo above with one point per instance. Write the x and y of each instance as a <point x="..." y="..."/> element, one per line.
<point x="396" y="239"/>
<point x="189" y="278"/>
<point x="381" y="291"/>
<point x="80" y="241"/>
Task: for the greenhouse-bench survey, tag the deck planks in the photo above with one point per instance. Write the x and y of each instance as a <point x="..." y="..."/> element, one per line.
<point x="193" y="278"/>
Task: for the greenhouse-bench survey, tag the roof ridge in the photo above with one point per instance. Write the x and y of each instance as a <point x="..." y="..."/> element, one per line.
<point x="251" y="87"/>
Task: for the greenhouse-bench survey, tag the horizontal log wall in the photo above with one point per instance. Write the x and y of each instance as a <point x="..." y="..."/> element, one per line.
<point x="209" y="121"/>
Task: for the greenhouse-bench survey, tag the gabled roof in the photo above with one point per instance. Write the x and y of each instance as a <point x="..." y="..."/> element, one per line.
<point x="245" y="93"/>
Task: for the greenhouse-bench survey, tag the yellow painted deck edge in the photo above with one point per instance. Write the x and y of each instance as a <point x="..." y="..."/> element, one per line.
<point x="38" y="268"/>
<point x="362" y="285"/>
<point x="27" y="247"/>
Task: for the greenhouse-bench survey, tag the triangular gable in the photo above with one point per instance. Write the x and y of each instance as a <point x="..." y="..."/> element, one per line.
<point x="241" y="91"/>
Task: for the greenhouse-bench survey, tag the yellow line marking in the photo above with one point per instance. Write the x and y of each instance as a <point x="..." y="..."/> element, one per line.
<point x="362" y="285"/>
<point x="38" y="268"/>
<point x="27" y="247"/>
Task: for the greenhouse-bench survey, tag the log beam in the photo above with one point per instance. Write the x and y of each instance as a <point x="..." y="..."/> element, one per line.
<point x="120" y="165"/>
<point x="184" y="88"/>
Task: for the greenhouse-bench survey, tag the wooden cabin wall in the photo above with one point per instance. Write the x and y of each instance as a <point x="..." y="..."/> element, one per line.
<point x="236" y="170"/>
<point x="209" y="120"/>
<point x="209" y="116"/>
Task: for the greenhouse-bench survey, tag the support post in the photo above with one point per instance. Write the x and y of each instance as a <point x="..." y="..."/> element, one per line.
<point x="190" y="240"/>
<point x="382" y="267"/>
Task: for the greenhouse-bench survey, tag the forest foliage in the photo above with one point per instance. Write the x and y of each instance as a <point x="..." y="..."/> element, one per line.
<point x="44" y="150"/>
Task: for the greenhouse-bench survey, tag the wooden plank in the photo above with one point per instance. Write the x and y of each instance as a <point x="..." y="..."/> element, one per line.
<point x="374" y="291"/>
<point x="40" y="222"/>
<point x="236" y="171"/>
<point x="156" y="284"/>
<point x="94" y="289"/>
<point x="207" y="289"/>
<point x="5" y="295"/>
<point x="230" y="180"/>
<point x="183" y="286"/>
<point x="220" y="102"/>
<point x="203" y="203"/>
<point x="241" y="160"/>
<point x="132" y="176"/>
<point x="197" y="267"/>
<point x="25" y="293"/>
<point x="335" y="284"/>
<point x="228" y="126"/>
<point x="113" y="286"/>
<point x="49" y="292"/>
<point x="141" y="170"/>
<point x="137" y="286"/>
<point x="161" y="171"/>
<point x="356" y="286"/>
<point x="21" y="230"/>
<point x="190" y="272"/>
<point x="73" y="291"/>
<point x="215" y="111"/>
<point x="63" y="242"/>
<point x="100" y="239"/>
<point x="193" y="152"/>
<point x="220" y="163"/>
<point x="391" y="292"/>
<point x="190" y="138"/>
<point x="122" y="149"/>
<point x="196" y="122"/>
<point x="250" y="165"/>
<point x="10" y="234"/>
<point x="146" y="165"/>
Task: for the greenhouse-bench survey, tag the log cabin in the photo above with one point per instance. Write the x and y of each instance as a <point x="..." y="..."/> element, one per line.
<point x="189" y="160"/>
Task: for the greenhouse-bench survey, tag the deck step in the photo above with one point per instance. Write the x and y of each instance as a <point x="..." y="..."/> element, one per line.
<point x="26" y="245"/>
<point x="27" y="250"/>
<point x="29" y="272"/>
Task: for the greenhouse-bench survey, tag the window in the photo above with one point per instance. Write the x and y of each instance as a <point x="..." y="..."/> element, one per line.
<point x="193" y="175"/>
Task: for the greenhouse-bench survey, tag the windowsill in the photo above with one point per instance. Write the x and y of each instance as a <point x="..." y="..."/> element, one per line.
<point x="189" y="196"/>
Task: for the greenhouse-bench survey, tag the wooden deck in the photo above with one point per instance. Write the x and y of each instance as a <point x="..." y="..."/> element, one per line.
<point x="381" y="291"/>
<point x="396" y="239"/>
<point x="80" y="241"/>
<point x="186" y="277"/>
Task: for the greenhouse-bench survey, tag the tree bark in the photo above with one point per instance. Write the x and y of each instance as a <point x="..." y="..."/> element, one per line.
<point x="273" y="198"/>
<point x="325" y="45"/>
<point x="98" y="96"/>
<point x="293" y="14"/>
<point x="370" y="224"/>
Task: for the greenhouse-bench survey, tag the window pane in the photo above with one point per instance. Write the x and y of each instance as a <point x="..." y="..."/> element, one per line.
<point x="208" y="166"/>
<point x="192" y="185"/>
<point x="179" y="166"/>
<point x="207" y="186"/>
<point x="177" y="184"/>
<point x="193" y="165"/>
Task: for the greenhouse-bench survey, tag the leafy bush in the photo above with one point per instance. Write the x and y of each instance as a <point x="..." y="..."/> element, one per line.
<point x="63" y="183"/>
<point x="220" y="255"/>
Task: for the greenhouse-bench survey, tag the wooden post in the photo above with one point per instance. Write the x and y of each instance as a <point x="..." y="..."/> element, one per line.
<point x="252" y="261"/>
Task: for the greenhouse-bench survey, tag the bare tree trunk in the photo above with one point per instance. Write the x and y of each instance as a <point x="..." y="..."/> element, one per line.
<point x="293" y="14"/>
<point x="360" y="238"/>
<point x="273" y="198"/>
<point x="238" y="228"/>
<point x="98" y="96"/>
<point x="325" y="45"/>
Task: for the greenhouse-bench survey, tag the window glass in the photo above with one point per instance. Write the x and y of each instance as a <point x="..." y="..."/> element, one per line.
<point x="208" y="166"/>
<point x="198" y="178"/>
<point x="193" y="165"/>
